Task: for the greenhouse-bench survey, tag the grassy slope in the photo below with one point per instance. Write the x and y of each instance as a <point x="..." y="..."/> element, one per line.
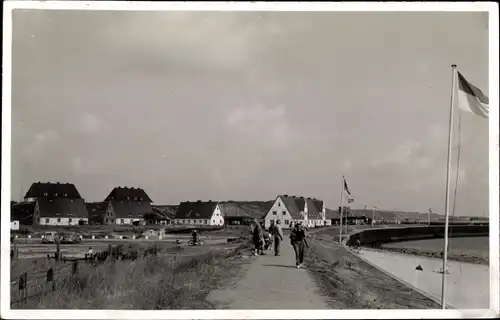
<point x="164" y="282"/>
<point x="350" y="283"/>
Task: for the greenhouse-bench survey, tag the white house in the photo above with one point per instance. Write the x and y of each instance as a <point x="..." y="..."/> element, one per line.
<point x="60" y="212"/>
<point x="291" y="209"/>
<point x="199" y="213"/>
<point x="14" y="225"/>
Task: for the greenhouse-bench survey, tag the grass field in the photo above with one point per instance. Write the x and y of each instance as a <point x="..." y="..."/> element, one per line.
<point x="467" y="249"/>
<point x="180" y="277"/>
<point x="350" y="283"/>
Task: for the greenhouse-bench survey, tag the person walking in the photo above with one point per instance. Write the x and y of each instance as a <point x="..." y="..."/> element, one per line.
<point x="299" y="243"/>
<point x="257" y="237"/>
<point x="278" y="237"/>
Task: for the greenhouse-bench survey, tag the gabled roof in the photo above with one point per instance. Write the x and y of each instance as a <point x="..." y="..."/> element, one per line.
<point x="129" y="194"/>
<point x="196" y="210"/>
<point x="314" y="209"/>
<point x="52" y="190"/>
<point x="245" y="209"/>
<point x="130" y="209"/>
<point x="62" y="208"/>
<point x="96" y="208"/>
<point x="294" y="205"/>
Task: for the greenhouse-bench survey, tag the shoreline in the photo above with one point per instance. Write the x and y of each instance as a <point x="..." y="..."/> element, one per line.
<point x="437" y="255"/>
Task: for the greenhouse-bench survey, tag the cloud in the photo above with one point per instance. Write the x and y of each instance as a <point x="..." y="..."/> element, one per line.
<point x="40" y="142"/>
<point x="262" y="125"/>
<point x="401" y="155"/>
<point x="90" y="123"/>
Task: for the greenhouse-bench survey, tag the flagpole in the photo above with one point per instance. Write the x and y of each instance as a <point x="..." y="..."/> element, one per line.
<point x="341" y="208"/>
<point x="447" y="190"/>
<point x="458" y="165"/>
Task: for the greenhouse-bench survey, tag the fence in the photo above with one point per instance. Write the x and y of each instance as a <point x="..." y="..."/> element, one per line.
<point x="34" y="284"/>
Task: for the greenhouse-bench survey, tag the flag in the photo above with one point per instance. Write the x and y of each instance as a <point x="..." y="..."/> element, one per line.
<point x="350" y="200"/>
<point x="346" y="188"/>
<point x="374" y="207"/>
<point x="430" y="210"/>
<point x="471" y="99"/>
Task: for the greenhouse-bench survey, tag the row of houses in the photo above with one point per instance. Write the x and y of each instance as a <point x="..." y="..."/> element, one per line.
<point x="61" y="204"/>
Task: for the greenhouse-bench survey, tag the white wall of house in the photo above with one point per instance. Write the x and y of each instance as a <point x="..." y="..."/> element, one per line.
<point x="14" y="225"/>
<point x="191" y="222"/>
<point x="217" y="219"/>
<point x="278" y="211"/>
<point x="58" y="221"/>
<point x="128" y="220"/>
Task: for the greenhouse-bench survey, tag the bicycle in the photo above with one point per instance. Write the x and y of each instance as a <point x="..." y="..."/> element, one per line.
<point x="198" y="243"/>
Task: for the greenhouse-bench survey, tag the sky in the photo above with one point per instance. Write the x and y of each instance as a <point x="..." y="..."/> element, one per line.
<point x="248" y="105"/>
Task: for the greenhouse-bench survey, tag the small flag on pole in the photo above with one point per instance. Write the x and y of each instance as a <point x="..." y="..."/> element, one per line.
<point x="472" y="99"/>
<point x="346" y="188"/>
<point x="350" y="200"/>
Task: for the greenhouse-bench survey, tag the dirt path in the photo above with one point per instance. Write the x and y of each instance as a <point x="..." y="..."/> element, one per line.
<point x="271" y="282"/>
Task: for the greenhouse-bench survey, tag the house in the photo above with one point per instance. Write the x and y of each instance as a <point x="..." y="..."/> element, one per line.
<point x="199" y="213"/>
<point x="22" y="212"/>
<point x="60" y="212"/>
<point x="291" y="209"/>
<point x="56" y="204"/>
<point x="14" y="225"/>
<point x="234" y="215"/>
<point x="126" y="205"/>
<point x="157" y="216"/>
<point x="54" y="190"/>
<point x="97" y="212"/>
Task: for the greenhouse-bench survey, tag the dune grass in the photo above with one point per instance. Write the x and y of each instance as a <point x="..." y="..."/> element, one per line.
<point x="162" y="282"/>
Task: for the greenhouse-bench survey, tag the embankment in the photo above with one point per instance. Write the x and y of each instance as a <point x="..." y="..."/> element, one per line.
<point x="379" y="238"/>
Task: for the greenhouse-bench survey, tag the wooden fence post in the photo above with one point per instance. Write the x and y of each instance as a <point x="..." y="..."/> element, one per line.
<point x="58" y="251"/>
<point x="23" y="286"/>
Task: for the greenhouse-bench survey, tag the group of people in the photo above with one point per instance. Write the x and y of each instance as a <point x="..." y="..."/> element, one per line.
<point x="266" y="239"/>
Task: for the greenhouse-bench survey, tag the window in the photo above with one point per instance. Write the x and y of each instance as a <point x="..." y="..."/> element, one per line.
<point x="58" y="214"/>
<point x="206" y="221"/>
<point x="71" y="200"/>
<point x="275" y="213"/>
<point x="140" y="198"/>
<point x="47" y="220"/>
<point x="271" y="221"/>
<point x="45" y="194"/>
<point x="135" y="198"/>
<point x="128" y="198"/>
<point x="69" y="214"/>
<point x="189" y="220"/>
<point x="58" y="219"/>
<point x="287" y="222"/>
<point x="122" y="221"/>
<point x="184" y="221"/>
<point x="201" y="221"/>
<point x="283" y="212"/>
<point x="55" y="194"/>
<point x="69" y="220"/>
<point x="214" y="221"/>
<point x="65" y="195"/>
<point x="279" y="204"/>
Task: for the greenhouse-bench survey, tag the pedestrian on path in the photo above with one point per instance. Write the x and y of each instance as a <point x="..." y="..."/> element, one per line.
<point x="278" y="237"/>
<point x="258" y="238"/>
<point x="299" y="243"/>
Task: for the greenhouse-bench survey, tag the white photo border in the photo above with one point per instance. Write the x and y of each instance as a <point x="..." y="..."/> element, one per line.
<point x="489" y="7"/>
